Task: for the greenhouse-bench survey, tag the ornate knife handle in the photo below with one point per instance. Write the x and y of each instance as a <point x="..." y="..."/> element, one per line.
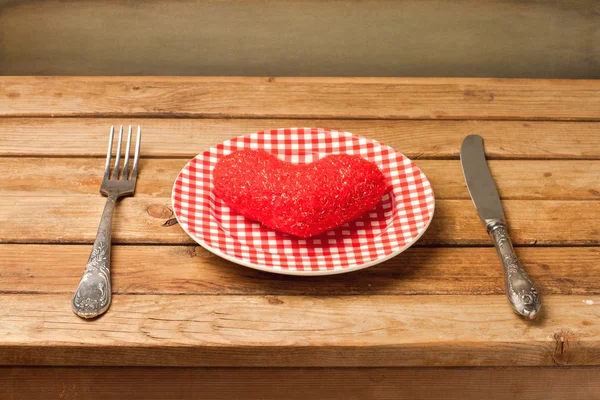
<point x="520" y="290"/>
<point x="93" y="294"/>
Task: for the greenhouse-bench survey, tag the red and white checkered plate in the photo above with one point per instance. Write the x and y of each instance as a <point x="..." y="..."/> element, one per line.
<point x="395" y="224"/>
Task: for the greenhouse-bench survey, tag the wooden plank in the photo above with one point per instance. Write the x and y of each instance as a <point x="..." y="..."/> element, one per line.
<point x="400" y="98"/>
<point x="349" y="331"/>
<point x="516" y="179"/>
<point x="189" y="37"/>
<point x="85" y="137"/>
<point x="133" y="383"/>
<point x="520" y="179"/>
<point x="142" y="220"/>
<point x="193" y="270"/>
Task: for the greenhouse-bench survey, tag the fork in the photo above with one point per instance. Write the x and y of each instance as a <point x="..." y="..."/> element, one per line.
<point x="93" y="295"/>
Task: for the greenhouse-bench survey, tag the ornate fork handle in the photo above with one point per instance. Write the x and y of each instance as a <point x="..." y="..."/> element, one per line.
<point x="520" y="290"/>
<point x="93" y="293"/>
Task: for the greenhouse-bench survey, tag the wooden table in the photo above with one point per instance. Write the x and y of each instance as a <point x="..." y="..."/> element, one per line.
<point x="431" y="323"/>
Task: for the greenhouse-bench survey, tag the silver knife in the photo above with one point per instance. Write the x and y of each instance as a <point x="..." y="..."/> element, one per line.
<point x="520" y="290"/>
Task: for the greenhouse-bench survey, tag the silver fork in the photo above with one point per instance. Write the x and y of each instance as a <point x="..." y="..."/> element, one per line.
<point x="93" y="294"/>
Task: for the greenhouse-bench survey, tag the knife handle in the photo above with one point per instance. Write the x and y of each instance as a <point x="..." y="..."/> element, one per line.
<point x="520" y="290"/>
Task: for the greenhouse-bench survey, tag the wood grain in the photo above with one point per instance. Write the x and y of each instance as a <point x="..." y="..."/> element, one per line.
<point x="400" y="98"/>
<point x="546" y="383"/>
<point x="516" y="179"/>
<point x="440" y="304"/>
<point x="87" y="137"/>
<point x="184" y="270"/>
<point x="349" y="331"/>
<point x="141" y="220"/>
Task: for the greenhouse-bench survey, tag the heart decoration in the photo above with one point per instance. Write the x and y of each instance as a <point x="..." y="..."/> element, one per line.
<point x="398" y="220"/>
<point x="302" y="200"/>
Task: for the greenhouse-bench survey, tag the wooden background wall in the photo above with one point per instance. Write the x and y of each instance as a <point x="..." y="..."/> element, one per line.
<point x="495" y="38"/>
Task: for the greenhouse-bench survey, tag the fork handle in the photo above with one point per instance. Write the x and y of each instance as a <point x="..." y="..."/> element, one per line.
<point x="93" y="294"/>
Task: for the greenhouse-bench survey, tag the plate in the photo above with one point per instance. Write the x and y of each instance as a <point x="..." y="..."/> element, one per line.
<point x="401" y="217"/>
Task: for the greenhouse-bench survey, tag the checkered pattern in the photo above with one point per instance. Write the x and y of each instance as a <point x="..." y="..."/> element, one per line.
<point x="400" y="218"/>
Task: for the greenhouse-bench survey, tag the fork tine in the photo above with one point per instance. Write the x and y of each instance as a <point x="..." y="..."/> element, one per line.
<point x="118" y="159"/>
<point x="126" y="161"/>
<point x="108" y="154"/>
<point x="136" y="158"/>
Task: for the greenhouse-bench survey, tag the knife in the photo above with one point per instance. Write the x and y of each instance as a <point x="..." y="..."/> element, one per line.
<point x="520" y="290"/>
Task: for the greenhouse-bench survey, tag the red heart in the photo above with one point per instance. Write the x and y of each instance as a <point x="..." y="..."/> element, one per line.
<point x="302" y="200"/>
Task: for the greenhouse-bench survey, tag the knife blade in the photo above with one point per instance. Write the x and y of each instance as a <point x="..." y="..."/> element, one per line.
<point x="480" y="183"/>
<point x="521" y="292"/>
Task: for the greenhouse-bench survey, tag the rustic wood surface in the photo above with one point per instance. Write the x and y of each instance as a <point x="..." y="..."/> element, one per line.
<point x="291" y="331"/>
<point x="143" y="221"/>
<point x="519" y="180"/>
<point x="418" y="139"/>
<point x="299" y="383"/>
<point x="32" y="269"/>
<point x="376" y="98"/>
<point x="440" y="304"/>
